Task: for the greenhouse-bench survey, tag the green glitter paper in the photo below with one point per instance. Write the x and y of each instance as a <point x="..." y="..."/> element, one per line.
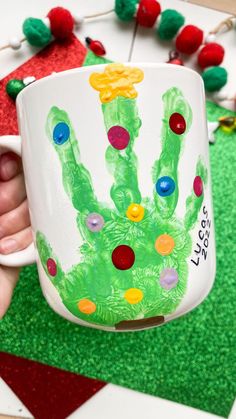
<point x="190" y="360"/>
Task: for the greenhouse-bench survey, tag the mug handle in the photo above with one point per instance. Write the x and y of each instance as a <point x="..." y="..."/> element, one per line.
<point x="27" y="255"/>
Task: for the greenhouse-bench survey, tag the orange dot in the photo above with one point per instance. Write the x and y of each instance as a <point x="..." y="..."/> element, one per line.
<point x="86" y="306"/>
<point x="135" y="212"/>
<point x="133" y="295"/>
<point x="164" y="244"/>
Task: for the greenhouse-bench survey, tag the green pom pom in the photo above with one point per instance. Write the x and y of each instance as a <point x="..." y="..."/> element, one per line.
<point x="36" y="32"/>
<point x="125" y="9"/>
<point x="170" y="22"/>
<point x="214" y="78"/>
<point x="14" y="87"/>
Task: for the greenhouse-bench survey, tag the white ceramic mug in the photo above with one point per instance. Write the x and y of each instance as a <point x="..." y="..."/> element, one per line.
<point x="116" y="167"/>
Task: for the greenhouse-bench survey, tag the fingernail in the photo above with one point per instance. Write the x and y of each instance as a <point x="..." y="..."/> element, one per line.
<point x="9" y="166"/>
<point x="8" y="245"/>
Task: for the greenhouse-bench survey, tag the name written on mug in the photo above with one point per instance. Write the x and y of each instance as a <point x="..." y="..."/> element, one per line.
<point x="200" y="251"/>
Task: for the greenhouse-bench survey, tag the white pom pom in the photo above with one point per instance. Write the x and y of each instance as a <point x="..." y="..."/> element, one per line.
<point x="15" y="43"/>
<point x="78" y="20"/>
<point x="136" y="10"/>
<point x="28" y="80"/>
<point x="220" y="95"/>
<point x="46" y="22"/>
<point x="211" y="37"/>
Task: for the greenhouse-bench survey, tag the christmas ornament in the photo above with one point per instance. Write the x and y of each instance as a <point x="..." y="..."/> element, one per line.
<point x="174" y="58"/>
<point x="95" y="46"/>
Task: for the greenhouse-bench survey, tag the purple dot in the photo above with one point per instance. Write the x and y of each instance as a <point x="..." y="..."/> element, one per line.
<point x="168" y="278"/>
<point x="52" y="267"/>
<point x="94" y="222"/>
<point x="118" y="137"/>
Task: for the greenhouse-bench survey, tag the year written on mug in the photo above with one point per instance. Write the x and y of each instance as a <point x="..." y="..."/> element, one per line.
<point x="117" y="176"/>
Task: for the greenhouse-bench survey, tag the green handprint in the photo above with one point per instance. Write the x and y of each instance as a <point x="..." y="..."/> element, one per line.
<point x="134" y="268"/>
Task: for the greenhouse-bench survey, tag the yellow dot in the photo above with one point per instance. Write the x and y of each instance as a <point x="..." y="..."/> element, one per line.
<point x="86" y="306"/>
<point x="133" y="295"/>
<point x="164" y="244"/>
<point x="135" y="212"/>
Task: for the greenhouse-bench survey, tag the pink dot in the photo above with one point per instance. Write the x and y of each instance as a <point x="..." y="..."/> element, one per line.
<point x="118" y="137"/>
<point x="52" y="267"/>
<point x="198" y="186"/>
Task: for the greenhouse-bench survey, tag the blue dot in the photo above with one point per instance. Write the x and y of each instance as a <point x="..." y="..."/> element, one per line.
<point x="61" y="133"/>
<point x="165" y="186"/>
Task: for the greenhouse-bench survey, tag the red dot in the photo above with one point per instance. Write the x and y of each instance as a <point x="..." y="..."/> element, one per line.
<point x="52" y="267"/>
<point x="177" y="123"/>
<point x="198" y="186"/>
<point x="123" y="257"/>
<point x="119" y="137"/>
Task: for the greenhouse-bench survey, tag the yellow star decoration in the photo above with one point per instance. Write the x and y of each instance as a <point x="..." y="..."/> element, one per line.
<point x="116" y="80"/>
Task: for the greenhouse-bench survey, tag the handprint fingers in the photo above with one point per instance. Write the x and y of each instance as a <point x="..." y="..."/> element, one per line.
<point x="49" y="261"/>
<point x="122" y="124"/>
<point x="194" y="201"/>
<point x="76" y="178"/>
<point x="176" y="123"/>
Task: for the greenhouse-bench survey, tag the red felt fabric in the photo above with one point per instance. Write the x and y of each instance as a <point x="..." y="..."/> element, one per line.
<point x="47" y="392"/>
<point x="55" y="57"/>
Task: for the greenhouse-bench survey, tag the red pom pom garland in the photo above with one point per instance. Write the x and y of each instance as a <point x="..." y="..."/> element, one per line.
<point x="147" y="13"/>
<point x="210" y="55"/>
<point x="189" y="39"/>
<point x="167" y="25"/>
<point x="61" y="22"/>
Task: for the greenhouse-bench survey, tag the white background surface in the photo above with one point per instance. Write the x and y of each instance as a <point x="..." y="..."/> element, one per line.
<point x="117" y="38"/>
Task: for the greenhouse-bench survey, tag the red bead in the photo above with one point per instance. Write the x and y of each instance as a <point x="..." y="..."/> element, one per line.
<point x="61" y="22"/>
<point x="148" y="11"/>
<point x="189" y="39"/>
<point x="123" y="257"/>
<point x="198" y="186"/>
<point x="177" y="123"/>
<point x="211" y="55"/>
<point x="52" y="267"/>
<point x="95" y="46"/>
